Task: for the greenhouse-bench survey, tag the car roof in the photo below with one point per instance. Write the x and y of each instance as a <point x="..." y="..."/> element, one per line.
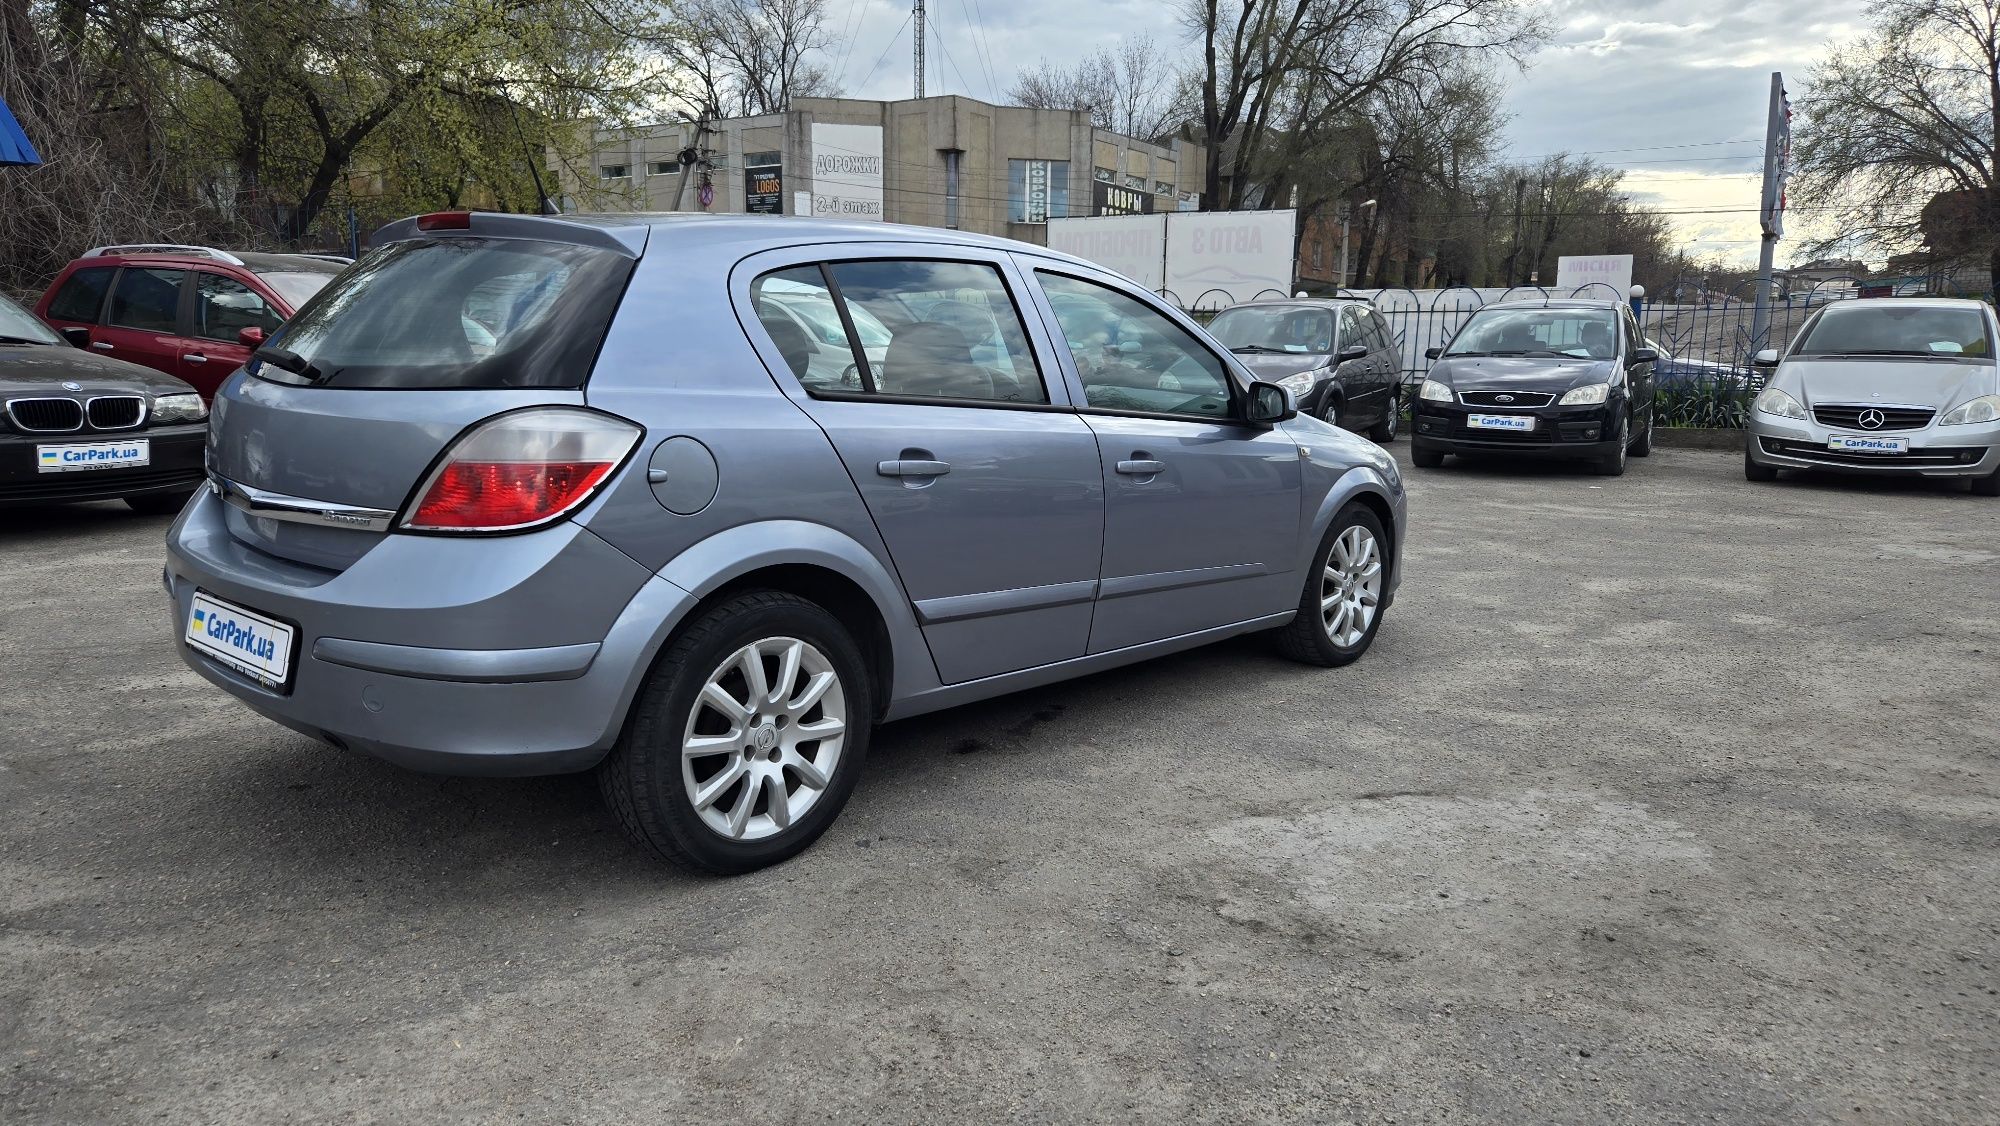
<point x="257" y="261"/>
<point x="1303" y="303"/>
<point x="1916" y="303"/>
<point x="740" y="235"/>
<point x="1554" y="303"/>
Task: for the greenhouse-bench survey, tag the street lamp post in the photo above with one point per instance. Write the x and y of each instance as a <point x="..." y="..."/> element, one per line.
<point x="1346" y="220"/>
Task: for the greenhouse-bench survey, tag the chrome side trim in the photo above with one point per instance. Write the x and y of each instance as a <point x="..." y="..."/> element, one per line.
<point x="299" y="510"/>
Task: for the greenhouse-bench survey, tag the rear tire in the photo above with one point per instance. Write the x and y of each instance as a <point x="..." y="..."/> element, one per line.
<point x="1753" y="471"/>
<point x="1424" y="458"/>
<point x="750" y="800"/>
<point x="1987" y="486"/>
<point x="1349" y="577"/>
<point x="159" y="504"/>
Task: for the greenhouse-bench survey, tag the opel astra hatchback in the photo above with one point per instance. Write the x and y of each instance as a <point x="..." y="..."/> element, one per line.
<point x="695" y="502"/>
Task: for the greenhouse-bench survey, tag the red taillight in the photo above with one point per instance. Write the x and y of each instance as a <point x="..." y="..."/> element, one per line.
<point x="522" y="470"/>
<point x="445" y="221"/>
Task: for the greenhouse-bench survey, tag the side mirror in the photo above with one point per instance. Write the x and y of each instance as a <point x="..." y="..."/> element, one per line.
<point x="1643" y="356"/>
<point x="1269" y="404"/>
<point x="77" y="335"/>
<point x="1433" y="353"/>
<point x="1768" y="358"/>
<point x="1352" y="352"/>
<point x="252" y="337"/>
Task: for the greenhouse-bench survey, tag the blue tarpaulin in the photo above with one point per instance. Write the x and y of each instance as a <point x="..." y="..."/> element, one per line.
<point x="15" y="147"/>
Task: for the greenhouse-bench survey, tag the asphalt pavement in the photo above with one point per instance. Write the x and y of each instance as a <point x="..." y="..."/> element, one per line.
<point x="1662" y="798"/>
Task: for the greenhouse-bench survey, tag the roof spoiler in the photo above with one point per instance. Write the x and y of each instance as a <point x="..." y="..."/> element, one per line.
<point x="621" y="238"/>
<point x="165" y="248"/>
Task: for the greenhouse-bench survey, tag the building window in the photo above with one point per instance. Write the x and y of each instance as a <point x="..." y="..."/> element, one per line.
<point x="614" y="171"/>
<point x="1315" y="255"/>
<point x="663" y="167"/>
<point x="1037" y="189"/>
<point x="1104" y="175"/>
<point x="1161" y="187"/>
<point x="761" y="159"/>
<point x="1136" y="183"/>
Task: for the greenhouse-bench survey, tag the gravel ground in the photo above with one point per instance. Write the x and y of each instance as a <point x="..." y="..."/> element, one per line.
<point x="1664" y="798"/>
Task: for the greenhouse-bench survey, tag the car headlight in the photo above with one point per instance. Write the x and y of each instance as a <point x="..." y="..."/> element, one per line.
<point x="1777" y="403"/>
<point x="1299" y="383"/>
<point x="1434" y="391"/>
<point x="1986" y="408"/>
<point x="1585" y="395"/>
<point x="179" y="408"/>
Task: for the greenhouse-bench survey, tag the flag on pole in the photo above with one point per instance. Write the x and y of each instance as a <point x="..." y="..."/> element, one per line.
<point x="1777" y="159"/>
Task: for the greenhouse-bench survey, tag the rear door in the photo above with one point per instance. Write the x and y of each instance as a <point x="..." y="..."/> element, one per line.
<point x="1201" y="515"/>
<point x="79" y="301"/>
<point x="1388" y="359"/>
<point x="222" y="308"/>
<point x="143" y="320"/>
<point x="980" y="477"/>
<point x="1362" y="378"/>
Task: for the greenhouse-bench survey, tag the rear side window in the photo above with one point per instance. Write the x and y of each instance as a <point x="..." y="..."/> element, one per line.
<point x="459" y="313"/>
<point x="81" y="298"/>
<point x="935" y="330"/>
<point x="147" y="299"/>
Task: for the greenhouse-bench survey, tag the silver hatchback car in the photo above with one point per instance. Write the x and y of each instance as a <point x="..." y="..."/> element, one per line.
<point x="1902" y="386"/>
<point x="696" y="502"/>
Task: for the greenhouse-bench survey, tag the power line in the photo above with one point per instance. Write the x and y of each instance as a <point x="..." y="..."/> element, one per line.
<point x="984" y="58"/>
<point x="849" y="27"/>
<point x="946" y="49"/>
<point x="885" y="51"/>
<point x="1650" y="148"/>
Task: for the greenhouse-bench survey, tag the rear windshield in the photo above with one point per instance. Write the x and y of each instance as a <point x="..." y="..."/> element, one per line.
<point x="458" y="313"/>
<point x="297" y="287"/>
<point x="1897" y="330"/>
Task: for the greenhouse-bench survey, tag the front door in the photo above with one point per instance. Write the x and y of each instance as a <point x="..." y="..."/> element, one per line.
<point x="985" y="491"/>
<point x="223" y="308"/>
<point x="1201" y="516"/>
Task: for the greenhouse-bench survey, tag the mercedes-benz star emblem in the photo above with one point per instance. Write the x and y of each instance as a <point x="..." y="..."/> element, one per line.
<point x="69" y="386"/>
<point x="1872" y="419"/>
<point x="1503" y="398"/>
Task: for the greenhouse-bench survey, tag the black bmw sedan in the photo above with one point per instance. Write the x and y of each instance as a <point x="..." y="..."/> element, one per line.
<point x="1551" y="378"/>
<point x="75" y="425"/>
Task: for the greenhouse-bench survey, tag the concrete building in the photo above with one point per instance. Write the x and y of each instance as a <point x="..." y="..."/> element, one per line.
<point x="948" y="161"/>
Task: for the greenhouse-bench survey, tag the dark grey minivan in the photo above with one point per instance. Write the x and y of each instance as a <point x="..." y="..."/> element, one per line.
<point x="695" y="502"/>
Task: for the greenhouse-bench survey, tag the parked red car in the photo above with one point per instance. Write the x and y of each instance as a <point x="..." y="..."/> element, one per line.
<point x="193" y="312"/>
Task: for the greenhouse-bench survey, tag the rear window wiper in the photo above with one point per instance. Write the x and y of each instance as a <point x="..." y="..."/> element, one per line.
<point x="288" y="360"/>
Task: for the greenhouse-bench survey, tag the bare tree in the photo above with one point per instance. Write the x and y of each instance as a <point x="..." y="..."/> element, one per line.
<point x="1300" y="66"/>
<point x="1130" y="90"/>
<point x="1899" y="119"/>
<point x="752" y="57"/>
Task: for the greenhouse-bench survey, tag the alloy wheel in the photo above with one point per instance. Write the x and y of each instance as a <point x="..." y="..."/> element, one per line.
<point x="763" y="739"/>
<point x="1351" y="586"/>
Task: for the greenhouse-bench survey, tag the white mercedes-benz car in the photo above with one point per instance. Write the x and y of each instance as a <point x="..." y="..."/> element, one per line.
<point x="1884" y="385"/>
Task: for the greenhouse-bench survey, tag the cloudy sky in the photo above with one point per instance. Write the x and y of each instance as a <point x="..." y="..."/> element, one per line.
<point x="1673" y="92"/>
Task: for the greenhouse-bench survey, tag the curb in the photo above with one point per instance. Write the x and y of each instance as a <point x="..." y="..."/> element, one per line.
<point x="1698" y="438"/>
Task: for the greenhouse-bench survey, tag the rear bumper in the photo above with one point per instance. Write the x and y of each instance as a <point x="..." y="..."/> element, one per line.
<point x="175" y="466"/>
<point x="1560" y="432"/>
<point x="1935" y="451"/>
<point x="378" y="672"/>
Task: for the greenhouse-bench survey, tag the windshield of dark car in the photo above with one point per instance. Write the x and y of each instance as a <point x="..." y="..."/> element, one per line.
<point x="19" y="324"/>
<point x="297" y="286"/>
<point x="1305" y="331"/>
<point x="1897" y="330"/>
<point x="1577" y="333"/>
<point x="456" y="312"/>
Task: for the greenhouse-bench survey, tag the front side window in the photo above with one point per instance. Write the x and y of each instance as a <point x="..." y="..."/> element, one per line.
<point x="938" y="330"/>
<point x="1130" y="357"/>
<point x="1897" y="330"/>
<point x="224" y="307"/>
<point x="1037" y="189"/>
<point x="459" y="312"/>
<point x="1579" y="333"/>
<point x="1255" y="329"/>
<point x="147" y="299"/>
<point x="81" y="298"/>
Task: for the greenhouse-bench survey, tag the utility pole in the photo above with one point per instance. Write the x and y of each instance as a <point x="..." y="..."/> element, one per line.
<point x="1514" y="256"/>
<point x="1771" y="211"/>
<point x="918" y="24"/>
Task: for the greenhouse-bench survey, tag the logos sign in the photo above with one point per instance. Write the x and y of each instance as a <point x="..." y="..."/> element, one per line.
<point x="847" y="171"/>
<point x="764" y="190"/>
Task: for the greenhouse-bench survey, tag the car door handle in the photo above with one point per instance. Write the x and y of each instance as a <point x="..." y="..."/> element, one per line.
<point x="196" y="358"/>
<point x="912" y="468"/>
<point x="1142" y="467"/>
<point x="100" y="345"/>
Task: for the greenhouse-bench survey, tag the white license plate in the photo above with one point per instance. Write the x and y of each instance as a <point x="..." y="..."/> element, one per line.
<point x="72" y="456"/>
<point x="1868" y="444"/>
<point x="1500" y="421"/>
<point x="246" y="641"/>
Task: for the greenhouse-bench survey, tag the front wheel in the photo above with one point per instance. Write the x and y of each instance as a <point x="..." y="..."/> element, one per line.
<point x="1341" y="606"/>
<point x="1424" y="458"/>
<point x="1384" y="432"/>
<point x="1613" y="463"/>
<point x="1329" y="409"/>
<point x="746" y="739"/>
<point x="1754" y="471"/>
<point x="1987" y="486"/>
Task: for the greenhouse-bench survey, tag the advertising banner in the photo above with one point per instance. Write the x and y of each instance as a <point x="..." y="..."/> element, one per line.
<point x="764" y="190"/>
<point x="847" y="171"/>
<point x="1111" y="199"/>
<point x="1219" y="258"/>
<point x="1133" y="245"/>
<point x="1612" y="272"/>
